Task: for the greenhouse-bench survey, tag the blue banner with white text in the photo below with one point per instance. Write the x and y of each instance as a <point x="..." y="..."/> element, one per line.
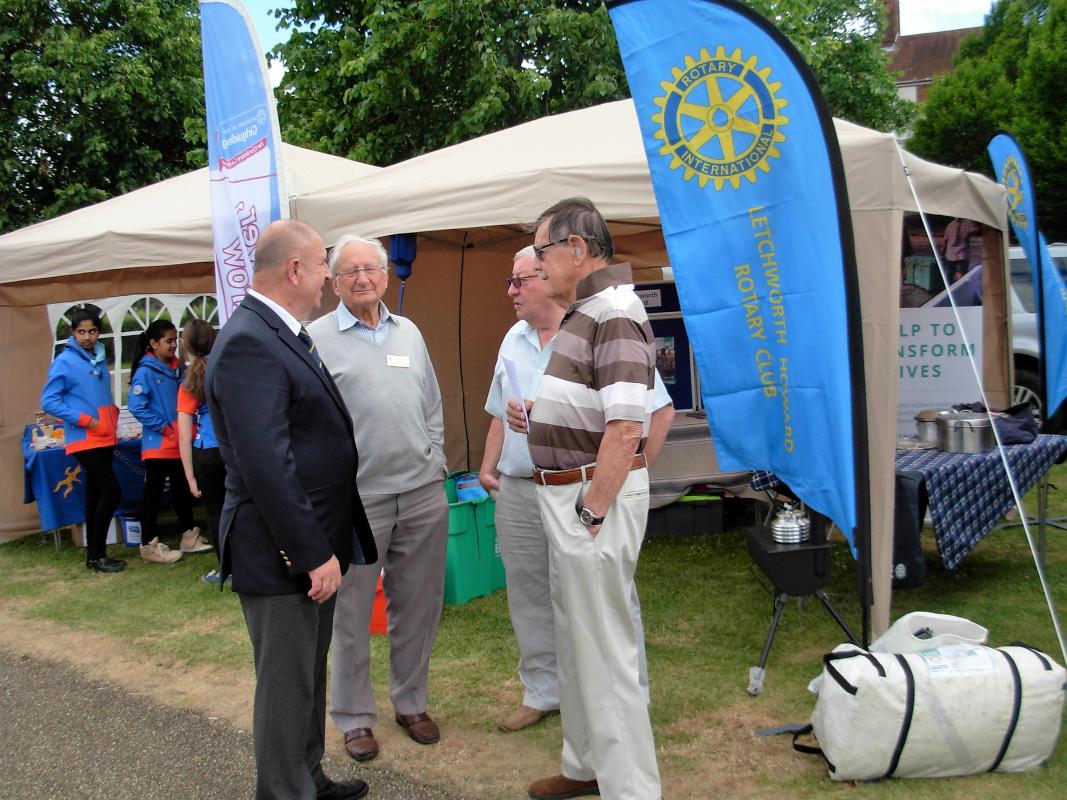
<point x="752" y="202"/>
<point x="243" y="146"/>
<point x="1013" y="172"/>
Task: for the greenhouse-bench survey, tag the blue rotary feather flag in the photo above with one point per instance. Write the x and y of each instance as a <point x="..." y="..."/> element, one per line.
<point x="752" y="202"/>
<point x="243" y="146"/>
<point x="1049" y="291"/>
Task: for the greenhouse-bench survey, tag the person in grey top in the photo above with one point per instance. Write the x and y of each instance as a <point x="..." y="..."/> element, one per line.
<point x="380" y="364"/>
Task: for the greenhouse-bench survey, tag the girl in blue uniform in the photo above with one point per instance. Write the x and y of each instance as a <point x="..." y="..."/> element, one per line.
<point x="156" y="374"/>
<point x="78" y="392"/>
<point x="205" y="471"/>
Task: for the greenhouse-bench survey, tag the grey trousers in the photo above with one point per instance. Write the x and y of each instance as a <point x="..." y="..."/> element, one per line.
<point x="290" y="639"/>
<point x="524" y="548"/>
<point x="411" y="533"/>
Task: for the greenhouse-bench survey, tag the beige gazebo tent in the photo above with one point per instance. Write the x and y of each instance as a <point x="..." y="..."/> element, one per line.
<point x="154" y="240"/>
<point x="469" y="204"/>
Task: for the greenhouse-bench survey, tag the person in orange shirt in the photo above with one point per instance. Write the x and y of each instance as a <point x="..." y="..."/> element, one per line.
<point x="205" y="470"/>
<point x="156" y="373"/>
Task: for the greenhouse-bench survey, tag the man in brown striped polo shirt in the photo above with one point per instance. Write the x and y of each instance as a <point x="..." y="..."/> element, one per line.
<point x="587" y="428"/>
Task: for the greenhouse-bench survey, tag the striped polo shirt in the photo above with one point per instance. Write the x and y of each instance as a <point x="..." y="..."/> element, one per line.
<point x="601" y="371"/>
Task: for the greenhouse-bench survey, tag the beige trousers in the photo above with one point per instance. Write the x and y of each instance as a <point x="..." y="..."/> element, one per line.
<point x="606" y="730"/>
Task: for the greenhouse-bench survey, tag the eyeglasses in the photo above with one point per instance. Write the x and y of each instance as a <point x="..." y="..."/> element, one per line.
<point x="539" y="250"/>
<point x="363" y="269"/>
<point x="518" y="281"/>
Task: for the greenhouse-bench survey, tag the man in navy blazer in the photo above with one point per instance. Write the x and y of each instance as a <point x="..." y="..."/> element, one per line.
<point x="292" y="520"/>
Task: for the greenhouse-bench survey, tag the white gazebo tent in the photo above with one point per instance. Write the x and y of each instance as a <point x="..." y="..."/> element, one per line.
<point x="153" y="240"/>
<point x="470" y="203"/>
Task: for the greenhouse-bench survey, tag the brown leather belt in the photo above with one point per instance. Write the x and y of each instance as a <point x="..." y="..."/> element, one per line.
<point x="561" y="477"/>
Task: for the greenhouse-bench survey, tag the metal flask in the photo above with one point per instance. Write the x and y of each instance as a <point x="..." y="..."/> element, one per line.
<point x="790" y="525"/>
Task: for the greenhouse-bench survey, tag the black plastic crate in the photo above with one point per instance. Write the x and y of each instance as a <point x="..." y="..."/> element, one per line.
<point x="686" y="518"/>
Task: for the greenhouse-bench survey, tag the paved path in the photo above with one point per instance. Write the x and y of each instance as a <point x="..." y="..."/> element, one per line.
<point x="69" y="736"/>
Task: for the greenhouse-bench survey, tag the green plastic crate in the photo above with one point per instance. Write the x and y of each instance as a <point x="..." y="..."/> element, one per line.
<point x="489" y="547"/>
<point x="463" y="580"/>
<point x="473" y="567"/>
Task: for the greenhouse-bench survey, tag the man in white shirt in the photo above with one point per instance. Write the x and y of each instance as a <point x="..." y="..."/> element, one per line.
<point x="507" y="470"/>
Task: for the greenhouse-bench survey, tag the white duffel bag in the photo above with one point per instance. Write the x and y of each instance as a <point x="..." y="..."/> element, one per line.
<point x="958" y="709"/>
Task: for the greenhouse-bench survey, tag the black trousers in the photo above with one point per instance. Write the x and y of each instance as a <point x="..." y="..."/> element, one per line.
<point x="290" y="636"/>
<point x="102" y="496"/>
<point x="210" y="472"/>
<point x="156" y="472"/>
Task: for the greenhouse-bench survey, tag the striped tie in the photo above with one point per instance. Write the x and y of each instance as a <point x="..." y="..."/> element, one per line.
<point x="305" y="337"/>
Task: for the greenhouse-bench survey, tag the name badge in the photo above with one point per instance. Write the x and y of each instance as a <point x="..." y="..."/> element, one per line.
<point x="397" y="361"/>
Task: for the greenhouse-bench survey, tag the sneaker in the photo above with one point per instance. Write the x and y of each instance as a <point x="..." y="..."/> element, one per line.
<point x="195" y="542"/>
<point x="155" y="552"/>
<point x="211" y="576"/>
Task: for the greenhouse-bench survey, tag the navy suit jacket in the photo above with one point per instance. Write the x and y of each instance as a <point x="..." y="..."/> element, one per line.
<point x="291" y="459"/>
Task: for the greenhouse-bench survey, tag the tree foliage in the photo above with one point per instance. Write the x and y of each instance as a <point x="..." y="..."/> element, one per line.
<point x="97" y="96"/>
<point x="385" y="80"/>
<point x="1012" y="76"/>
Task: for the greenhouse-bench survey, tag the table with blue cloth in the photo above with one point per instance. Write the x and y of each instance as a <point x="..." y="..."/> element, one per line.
<point x="53" y="480"/>
<point x="967" y="493"/>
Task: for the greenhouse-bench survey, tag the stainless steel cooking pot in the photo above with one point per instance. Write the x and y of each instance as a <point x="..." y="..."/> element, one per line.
<point x="926" y="424"/>
<point x="964" y="432"/>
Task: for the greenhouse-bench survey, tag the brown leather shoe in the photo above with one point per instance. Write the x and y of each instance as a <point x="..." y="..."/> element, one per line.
<point x="523" y="717"/>
<point x="560" y="787"/>
<point x="361" y="744"/>
<point x="420" y="727"/>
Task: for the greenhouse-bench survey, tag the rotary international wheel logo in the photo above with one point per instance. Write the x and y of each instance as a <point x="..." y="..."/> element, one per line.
<point x="720" y="118"/>
<point x="1013" y="185"/>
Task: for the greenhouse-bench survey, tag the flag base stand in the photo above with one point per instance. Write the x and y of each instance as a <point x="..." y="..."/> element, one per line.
<point x="796" y="570"/>
<point x="1041" y="519"/>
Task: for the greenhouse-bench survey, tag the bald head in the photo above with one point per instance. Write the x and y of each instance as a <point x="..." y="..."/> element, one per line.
<point x="291" y="266"/>
<point x="281" y="241"/>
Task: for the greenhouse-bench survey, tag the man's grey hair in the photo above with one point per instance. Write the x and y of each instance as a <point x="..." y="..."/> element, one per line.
<point x="578" y="216"/>
<point x="526" y="251"/>
<point x="354" y="238"/>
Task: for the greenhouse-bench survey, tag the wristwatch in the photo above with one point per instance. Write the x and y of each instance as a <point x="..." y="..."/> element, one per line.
<point x="588" y="518"/>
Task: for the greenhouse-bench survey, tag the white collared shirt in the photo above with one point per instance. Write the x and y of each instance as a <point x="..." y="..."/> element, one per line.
<point x="291" y="322"/>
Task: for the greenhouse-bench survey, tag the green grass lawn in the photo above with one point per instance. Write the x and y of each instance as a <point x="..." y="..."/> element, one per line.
<point x="706" y="612"/>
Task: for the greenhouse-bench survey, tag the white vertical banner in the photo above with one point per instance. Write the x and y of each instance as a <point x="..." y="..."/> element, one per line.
<point x="244" y="146"/>
<point x="934" y="364"/>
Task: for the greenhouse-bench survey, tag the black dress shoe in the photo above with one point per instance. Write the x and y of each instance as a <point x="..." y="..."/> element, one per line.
<point x="343" y="790"/>
<point x="105" y="564"/>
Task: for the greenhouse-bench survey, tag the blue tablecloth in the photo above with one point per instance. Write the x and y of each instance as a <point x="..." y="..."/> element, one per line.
<point x="53" y="480"/>
<point x="764" y="481"/>
<point x="969" y="492"/>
